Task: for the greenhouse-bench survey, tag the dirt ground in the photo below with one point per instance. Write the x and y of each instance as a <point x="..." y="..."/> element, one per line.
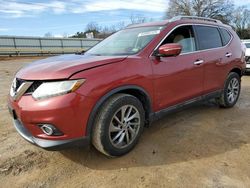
<point x="203" y="146"/>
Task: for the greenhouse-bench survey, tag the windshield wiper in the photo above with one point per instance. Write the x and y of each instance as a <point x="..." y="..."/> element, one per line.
<point x="95" y="54"/>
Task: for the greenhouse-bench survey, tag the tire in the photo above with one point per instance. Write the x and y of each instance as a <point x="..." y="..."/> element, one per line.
<point x="231" y="91"/>
<point x="113" y="137"/>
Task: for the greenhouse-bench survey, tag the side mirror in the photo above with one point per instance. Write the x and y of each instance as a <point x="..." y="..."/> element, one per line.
<point x="171" y="49"/>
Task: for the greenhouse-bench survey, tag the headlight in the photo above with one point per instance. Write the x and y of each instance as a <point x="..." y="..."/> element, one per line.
<point x="51" y="89"/>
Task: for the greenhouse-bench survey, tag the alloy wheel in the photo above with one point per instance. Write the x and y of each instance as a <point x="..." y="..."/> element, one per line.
<point x="124" y="126"/>
<point x="233" y="90"/>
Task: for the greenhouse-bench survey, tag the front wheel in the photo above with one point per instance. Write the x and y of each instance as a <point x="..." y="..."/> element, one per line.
<point x="231" y="91"/>
<point x="118" y="125"/>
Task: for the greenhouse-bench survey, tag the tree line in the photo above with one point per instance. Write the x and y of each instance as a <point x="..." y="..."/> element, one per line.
<point x="103" y="32"/>
<point x="224" y="10"/>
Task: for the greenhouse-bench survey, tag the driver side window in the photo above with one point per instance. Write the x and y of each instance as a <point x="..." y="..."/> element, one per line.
<point x="184" y="36"/>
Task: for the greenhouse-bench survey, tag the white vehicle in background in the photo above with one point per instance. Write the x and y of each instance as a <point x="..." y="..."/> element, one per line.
<point x="247" y="54"/>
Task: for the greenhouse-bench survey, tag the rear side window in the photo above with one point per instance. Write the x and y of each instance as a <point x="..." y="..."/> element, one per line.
<point x="226" y="37"/>
<point x="208" y="37"/>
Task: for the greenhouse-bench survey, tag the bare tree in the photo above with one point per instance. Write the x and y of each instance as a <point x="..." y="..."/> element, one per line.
<point x="179" y="7"/>
<point x="93" y="27"/>
<point x="106" y="31"/>
<point x="120" y="25"/>
<point x="241" y="17"/>
<point x="241" y="21"/>
<point x="218" y="9"/>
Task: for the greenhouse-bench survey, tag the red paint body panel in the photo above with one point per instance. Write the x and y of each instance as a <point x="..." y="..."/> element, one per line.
<point x="68" y="112"/>
<point x="167" y="81"/>
<point x="122" y="74"/>
<point x="175" y="79"/>
<point x="170" y="49"/>
<point x="61" y="67"/>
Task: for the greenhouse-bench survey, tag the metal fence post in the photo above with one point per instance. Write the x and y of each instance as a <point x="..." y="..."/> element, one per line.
<point x="62" y="46"/>
<point x="40" y="43"/>
<point x="14" y="41"/>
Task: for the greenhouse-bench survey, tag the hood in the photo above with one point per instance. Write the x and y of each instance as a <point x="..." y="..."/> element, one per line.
<point x="61" y="67"/>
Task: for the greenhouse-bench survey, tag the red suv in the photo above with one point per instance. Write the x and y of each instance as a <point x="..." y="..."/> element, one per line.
<point x="111" y="92"/>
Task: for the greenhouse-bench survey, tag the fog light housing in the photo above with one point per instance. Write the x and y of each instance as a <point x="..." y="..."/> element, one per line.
<point x="50" y="130"/>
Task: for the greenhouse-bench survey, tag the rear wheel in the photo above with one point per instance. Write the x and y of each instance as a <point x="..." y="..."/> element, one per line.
<point x="231" y="92"/>
<point x="118" y="125"/>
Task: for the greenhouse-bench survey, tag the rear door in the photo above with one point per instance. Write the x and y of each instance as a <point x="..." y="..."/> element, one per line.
<point x="215" y="55"/>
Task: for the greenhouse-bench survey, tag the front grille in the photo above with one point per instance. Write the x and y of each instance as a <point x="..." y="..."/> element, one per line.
<point x="33" y="87"/>
<point x="18" y="83"/>
<point x="19" y="87"/>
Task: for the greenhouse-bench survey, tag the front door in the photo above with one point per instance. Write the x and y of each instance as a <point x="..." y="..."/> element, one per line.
<point x="178" y="79"/>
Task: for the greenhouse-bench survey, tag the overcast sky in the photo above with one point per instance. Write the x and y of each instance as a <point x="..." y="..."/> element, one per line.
<point x="37" y="17"/>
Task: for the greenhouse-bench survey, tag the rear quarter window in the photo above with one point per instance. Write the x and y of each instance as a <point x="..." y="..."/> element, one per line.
<point x="226" y="36"/>
<point x="208" y="37"/>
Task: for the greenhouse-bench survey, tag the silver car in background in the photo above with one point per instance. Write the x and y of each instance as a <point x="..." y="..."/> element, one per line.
<point x="247" y="54"/>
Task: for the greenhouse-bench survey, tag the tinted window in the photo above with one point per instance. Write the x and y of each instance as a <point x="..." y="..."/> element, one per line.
<point x="184" y="36"/>
<point x="226" y="37"/>
<point x="247" y="45"/>
<point x="208" y="37"/>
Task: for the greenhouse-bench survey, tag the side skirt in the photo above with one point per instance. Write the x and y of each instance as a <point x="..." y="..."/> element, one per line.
<point x="178" y="107"/>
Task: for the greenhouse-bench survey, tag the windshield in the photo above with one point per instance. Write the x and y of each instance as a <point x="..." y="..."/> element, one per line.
<point x="247" y="45"/>
<point x="125" y="42"/>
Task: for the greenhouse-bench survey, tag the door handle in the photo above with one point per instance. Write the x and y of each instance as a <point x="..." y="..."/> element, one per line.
<point x="198" y="62"/>
<point x="228" y="54"/>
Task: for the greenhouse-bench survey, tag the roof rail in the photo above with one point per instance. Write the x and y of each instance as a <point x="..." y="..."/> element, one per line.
<point x="195" y="18"/>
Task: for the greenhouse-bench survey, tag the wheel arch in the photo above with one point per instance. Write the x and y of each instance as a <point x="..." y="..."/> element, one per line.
<point x="237" y="70"/>
<point x="136" y="91"/>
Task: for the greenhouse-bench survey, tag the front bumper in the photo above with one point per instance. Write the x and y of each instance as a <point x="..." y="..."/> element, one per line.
<point x="68" y="113"/>
<point x="48" y="144"/>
